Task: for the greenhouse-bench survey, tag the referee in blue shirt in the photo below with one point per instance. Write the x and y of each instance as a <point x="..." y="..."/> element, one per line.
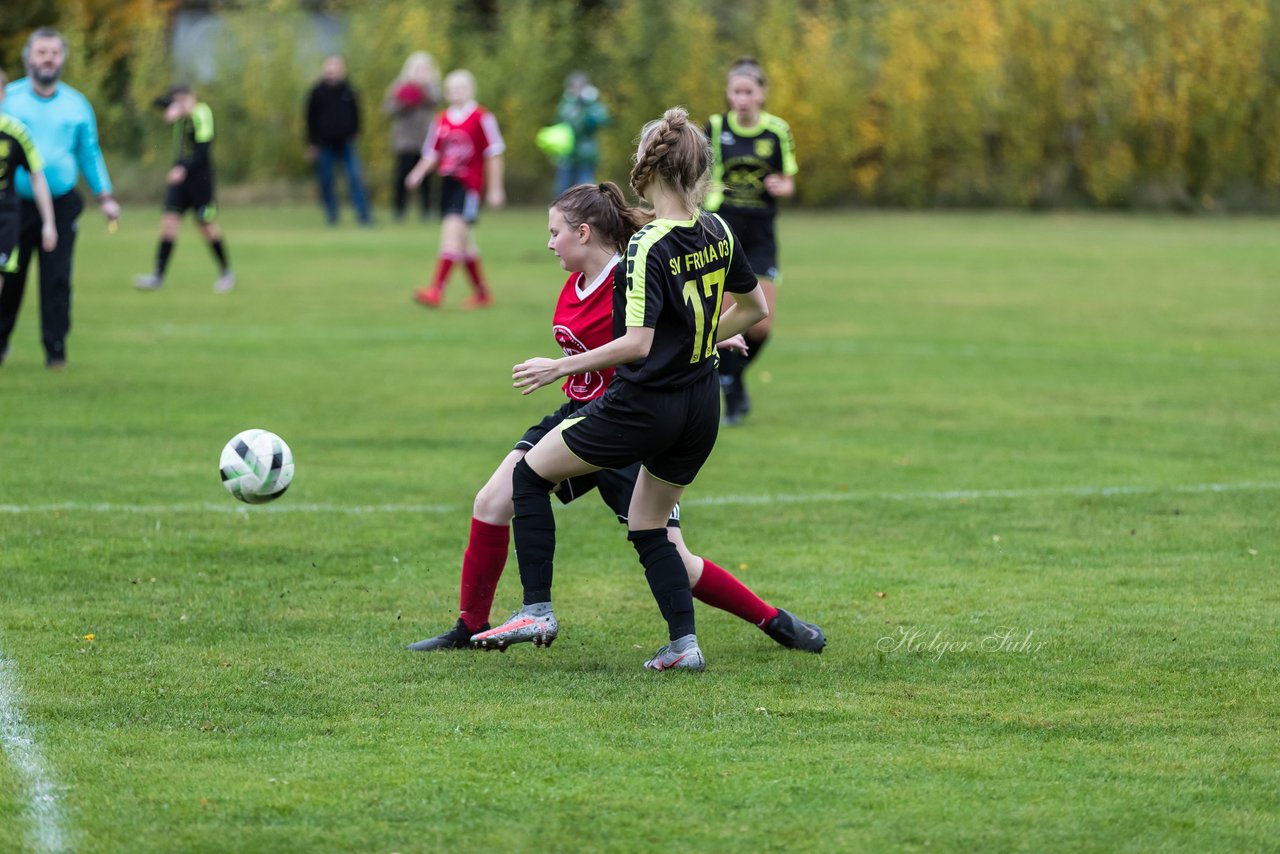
<point x="65" y="133"/>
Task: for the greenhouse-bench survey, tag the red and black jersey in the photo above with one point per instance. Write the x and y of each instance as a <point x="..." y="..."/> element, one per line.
<point x="463" y="139"/>
<point x="584" y="321"/>
<point x="676" y="277"/>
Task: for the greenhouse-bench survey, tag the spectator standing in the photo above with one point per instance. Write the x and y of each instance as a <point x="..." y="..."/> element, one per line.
<point x="580" y="108"/>
<point x="65" y="132"/>
<point x="411" y="101"/>
<point x="333" y="124"/>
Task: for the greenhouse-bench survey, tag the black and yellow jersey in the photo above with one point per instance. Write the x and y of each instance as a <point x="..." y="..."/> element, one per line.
<point x="193" y="139"/>
<point x="742" y="157"/>
<point x="676" y="276"/>
<point x="16" y="149"/>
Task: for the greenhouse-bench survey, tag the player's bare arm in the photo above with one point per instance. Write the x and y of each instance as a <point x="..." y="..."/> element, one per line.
<point x="533" y="374"/>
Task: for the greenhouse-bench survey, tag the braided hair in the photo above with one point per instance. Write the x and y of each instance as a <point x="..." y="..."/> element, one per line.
<point x="677" y="151"/>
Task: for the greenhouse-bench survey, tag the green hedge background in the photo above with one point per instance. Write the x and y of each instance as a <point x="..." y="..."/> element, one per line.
<point x="1022" y="103"/>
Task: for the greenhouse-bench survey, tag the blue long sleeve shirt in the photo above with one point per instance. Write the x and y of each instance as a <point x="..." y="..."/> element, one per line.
<point x="65" y="132"/>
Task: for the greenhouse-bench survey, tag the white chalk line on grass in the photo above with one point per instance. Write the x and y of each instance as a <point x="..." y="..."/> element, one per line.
<point x="44" y="812"/>
<point x="694" y="501"/>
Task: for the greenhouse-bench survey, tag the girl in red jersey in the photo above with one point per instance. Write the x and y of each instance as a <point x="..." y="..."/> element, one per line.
<point x="465" y="147"/>
<point x="589" y="226"/>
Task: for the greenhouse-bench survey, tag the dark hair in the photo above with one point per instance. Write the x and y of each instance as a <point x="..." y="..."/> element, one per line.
<point x="676" y="150"/>
<point x="605" y="209"/>
<point x="747" y="66"/>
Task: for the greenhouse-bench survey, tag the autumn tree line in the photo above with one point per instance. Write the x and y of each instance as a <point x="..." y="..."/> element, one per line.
<point x="1015" y="103"/>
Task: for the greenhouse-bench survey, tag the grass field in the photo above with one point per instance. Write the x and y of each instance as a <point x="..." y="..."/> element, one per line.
<point x="1023" y="470"/>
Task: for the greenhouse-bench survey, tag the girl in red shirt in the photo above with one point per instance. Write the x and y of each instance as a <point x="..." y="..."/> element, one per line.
<point x="465" y="146"/>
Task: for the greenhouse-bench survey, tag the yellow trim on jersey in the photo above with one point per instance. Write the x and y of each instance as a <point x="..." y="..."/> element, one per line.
<point x="202" y="120"/>
<point x="20" y="132"/>
<point x="641" y="242"/>
<point x="715" y="192"/>
<point x="776" y="125"/>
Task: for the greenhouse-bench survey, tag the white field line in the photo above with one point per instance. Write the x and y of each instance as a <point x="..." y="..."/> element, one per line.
<point x="43" y="810"/>
<point x="693" y="501"/>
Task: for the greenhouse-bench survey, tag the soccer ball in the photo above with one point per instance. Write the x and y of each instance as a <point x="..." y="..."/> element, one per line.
<point x="256" y="466"/>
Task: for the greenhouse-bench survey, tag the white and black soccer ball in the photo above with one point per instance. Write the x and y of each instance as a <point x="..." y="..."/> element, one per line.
<point x="256" y="466"/>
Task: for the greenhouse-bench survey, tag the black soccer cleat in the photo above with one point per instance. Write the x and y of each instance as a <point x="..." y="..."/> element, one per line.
<point x="458" y="637"/>
<point x="792" y="632"/>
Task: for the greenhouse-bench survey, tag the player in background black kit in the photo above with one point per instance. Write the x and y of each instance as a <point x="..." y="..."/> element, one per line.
<point x="662" y="407"/>
<point x="754" y="161"/>
<point x="190" y="186"/>
<point x="18" y="151"/>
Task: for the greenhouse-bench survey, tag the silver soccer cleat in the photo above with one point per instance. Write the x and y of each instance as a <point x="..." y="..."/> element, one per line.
<point x="531" y="624"/>
<point x="682" y="653"/>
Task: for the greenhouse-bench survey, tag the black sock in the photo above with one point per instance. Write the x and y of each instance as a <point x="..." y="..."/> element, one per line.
<point x="220" y="253"/>
<point x="754" y="349"/>
<point x="162" y="256"/>
<point x="730" y="370"/>
<point x="731" y="364"/>
<point x="533" y="528"/>
<point x="667" y="579"/>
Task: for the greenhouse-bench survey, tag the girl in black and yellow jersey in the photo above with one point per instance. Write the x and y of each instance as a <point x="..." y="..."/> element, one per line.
<point x="754" y="161"/>
<point x="662" y="407"/>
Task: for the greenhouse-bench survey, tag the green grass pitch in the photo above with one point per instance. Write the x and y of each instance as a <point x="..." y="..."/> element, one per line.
<point x="1023" y="470"/>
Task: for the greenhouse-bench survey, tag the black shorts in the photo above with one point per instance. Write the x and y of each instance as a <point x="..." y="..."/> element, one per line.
<point x="615" y="485"/>
<point x="670" y="431"/>
<point x="456" y="198"/>
<point x="194" y="194"/>
<point x="756" y="236"/>
<point x="10" y="229"/>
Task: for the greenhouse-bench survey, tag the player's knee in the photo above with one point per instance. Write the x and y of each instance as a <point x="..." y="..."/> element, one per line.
<point x="649" y="542"/>
<point x="526" y="481"/>
<point x="493" y="502"/>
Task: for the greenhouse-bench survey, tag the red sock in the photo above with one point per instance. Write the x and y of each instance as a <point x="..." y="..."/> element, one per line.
<point x="477" y="277"/>
<point x="443" y="266"/>
<point x="720" y="589"/>
<point x="482" y="566"/>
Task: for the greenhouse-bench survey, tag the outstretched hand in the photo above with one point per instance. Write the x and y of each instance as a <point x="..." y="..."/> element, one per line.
<point x="532" y="374"/>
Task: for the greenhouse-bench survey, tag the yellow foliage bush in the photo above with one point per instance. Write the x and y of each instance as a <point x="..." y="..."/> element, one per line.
<point x="910" y="102"/>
